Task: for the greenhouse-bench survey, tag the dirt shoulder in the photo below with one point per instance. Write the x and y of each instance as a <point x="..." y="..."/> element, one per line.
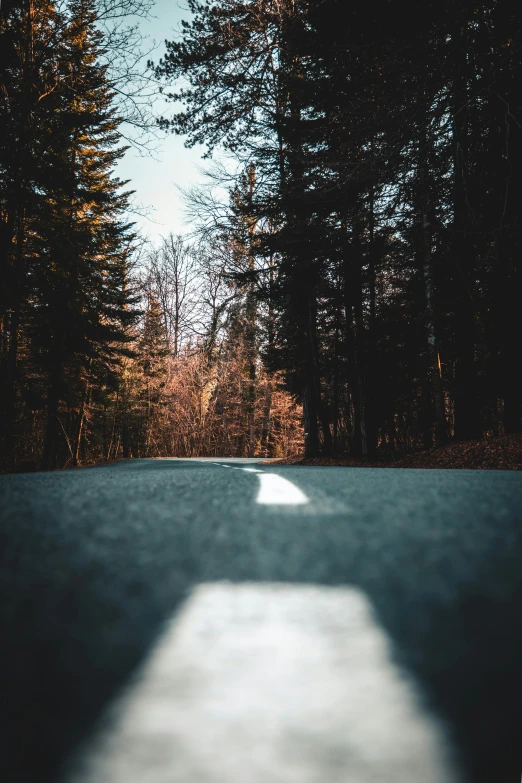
<point x="499" y="453"/>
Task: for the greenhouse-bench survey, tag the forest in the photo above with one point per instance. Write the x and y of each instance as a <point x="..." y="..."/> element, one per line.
<point x="351" y="284"/>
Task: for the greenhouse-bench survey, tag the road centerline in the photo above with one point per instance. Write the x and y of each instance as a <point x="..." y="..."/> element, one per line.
<point x="271" y="682"/>
<point x="274" y="490"/>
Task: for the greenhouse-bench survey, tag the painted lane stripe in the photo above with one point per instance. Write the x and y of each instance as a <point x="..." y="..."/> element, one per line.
<point x="271" y="683"/>
<point x="276" y="490"/>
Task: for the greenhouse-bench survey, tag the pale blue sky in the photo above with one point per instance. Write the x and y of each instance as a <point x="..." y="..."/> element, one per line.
<point x="155" y="178"/>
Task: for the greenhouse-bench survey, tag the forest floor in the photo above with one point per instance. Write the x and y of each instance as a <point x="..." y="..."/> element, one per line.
<point x="496" y="453"/>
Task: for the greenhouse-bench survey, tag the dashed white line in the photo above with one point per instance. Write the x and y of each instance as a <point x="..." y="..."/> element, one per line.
<point x="276" y="490"/>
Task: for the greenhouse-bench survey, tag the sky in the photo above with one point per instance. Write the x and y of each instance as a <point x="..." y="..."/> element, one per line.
<point x="155" y="177"/>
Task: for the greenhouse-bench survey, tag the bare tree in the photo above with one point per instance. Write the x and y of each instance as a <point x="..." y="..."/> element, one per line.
<point x="126" y="52"/>
<point x="173" y="275"/>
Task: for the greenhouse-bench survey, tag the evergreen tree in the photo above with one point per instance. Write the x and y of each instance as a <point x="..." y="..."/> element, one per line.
<point x="383" y="144"/>
<point x="66" y="317"/>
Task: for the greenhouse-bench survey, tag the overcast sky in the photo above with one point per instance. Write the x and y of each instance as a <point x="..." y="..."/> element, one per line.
<point x="155" y="178"/>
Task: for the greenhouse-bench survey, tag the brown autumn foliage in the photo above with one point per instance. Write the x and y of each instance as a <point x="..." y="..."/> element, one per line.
<point x="198" y="385"/>
<point x="495" y="453"/>
<point x="202" y="410"/>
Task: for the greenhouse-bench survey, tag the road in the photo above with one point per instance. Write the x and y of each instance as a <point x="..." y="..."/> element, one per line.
<point x="251" y="622"/>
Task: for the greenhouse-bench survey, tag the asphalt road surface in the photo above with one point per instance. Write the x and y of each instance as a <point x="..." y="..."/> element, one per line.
<point x="225" y="621"/>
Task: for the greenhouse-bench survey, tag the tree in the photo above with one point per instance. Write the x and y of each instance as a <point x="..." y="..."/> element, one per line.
<point x="370" y="142"/>
<point x="69" y="305"/>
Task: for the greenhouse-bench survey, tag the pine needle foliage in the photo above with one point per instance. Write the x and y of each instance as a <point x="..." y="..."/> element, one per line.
<point x="66" y="243"/>
<point x="386" y="143"/>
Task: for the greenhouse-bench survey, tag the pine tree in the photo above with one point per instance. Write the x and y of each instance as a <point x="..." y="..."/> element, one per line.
<point x="30" y="75"/>
<point x="67" y="250"/>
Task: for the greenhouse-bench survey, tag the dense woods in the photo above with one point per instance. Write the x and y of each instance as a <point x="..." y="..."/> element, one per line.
<point x="109" y="348"/>
<point x="386" y="145"/>
<point x="359" y="291"/>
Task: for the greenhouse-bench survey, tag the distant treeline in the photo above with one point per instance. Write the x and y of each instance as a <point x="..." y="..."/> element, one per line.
<point x="383" y="146"/>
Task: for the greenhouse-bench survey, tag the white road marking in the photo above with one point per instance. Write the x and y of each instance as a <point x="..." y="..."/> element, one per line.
<point x="276" y="490"/>
<point x="271" y="683"/>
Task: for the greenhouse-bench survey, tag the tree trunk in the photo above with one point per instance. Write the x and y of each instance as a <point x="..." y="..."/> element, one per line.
<point x="311" y="432"/>
<point x="300" y="262"/>
<point x="50" y="449"/>
<point x="9" y="417"/>
<point x="370" y="357"/>
<point x="355" y="342"/>
<point x="78" y="436"/>
<point x="467" y="410"/>
<point x="310" y="382"/>
<point x="251" y="406"/>
<point x="267" y="418"/>
<point x="511" y="340"/>
<point x="326" y="430"/>
<point x="434" y="387"/>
